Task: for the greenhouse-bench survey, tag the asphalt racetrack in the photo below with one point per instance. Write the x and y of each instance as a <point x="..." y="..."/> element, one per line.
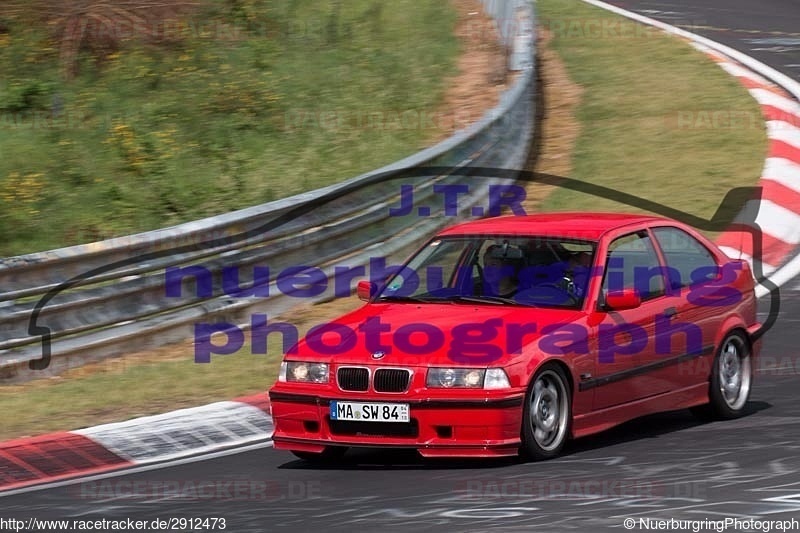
<point x="665" y="466"/>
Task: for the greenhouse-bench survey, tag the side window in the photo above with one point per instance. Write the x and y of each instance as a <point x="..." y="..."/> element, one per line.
<point x="632" y="263"/>
<point x="688" y="261"/>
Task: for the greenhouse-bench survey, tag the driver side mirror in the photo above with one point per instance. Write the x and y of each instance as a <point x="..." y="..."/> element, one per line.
<point x="364" y="289"/>
<point x="624" y="299"/>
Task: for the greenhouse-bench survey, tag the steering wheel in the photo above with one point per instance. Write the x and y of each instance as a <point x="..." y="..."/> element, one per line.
<point x="552" y="291"/>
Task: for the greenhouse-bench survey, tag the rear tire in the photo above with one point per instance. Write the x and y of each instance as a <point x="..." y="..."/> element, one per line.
<point x="547" y="414"/>
<point x="329" y="455"/>
<point x="730" y="381"/>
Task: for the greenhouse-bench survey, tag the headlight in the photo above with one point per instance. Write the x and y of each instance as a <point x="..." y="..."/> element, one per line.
<point x="303" y="372"/>
<point x="470" y="378"/>
<point x="455" y="377"/>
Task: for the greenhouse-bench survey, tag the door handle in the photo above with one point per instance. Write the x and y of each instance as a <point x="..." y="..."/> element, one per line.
<point x="669" y="312"/>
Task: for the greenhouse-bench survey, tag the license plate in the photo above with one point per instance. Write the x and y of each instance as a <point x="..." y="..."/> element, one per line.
<point x="370" y="412"/>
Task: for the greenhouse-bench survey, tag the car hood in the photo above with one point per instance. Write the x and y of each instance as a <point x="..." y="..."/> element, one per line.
<point x="454" y="334"/>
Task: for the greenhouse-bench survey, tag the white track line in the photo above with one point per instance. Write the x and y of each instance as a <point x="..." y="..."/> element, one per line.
<point x="739" y="71"/>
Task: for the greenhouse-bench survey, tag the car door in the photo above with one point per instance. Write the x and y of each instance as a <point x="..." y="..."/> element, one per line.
<point x="624" y="342"/>
<point x="685" y="336"/>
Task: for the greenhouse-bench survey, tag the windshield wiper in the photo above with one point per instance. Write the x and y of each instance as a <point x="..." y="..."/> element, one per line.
<point x="499" y="300"/>
<point x="486" y="299"/>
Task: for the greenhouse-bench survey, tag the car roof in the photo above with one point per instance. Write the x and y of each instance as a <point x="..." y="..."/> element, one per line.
<point x="574" y="225"/>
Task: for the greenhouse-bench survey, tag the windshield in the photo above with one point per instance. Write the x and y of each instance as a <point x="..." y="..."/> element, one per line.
<point x="509" y="270"/>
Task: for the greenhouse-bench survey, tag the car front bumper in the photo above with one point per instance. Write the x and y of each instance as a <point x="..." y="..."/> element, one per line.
<point x="479" y="427"/>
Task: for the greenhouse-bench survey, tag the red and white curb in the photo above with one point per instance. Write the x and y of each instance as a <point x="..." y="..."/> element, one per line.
<point x="55" y="456"/>
<point x="778" y="211"/>
<point x="141" y="441"/>
<point x="779" y="207"/>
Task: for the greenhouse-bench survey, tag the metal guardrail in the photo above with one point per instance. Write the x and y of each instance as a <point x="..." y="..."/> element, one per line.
<point x="82" y="303"/>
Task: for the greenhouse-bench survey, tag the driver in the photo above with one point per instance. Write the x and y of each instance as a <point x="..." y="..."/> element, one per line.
<point x="577" y="273"/>
<point x="500" y="272"/>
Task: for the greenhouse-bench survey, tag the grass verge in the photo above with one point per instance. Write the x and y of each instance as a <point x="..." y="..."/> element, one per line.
<point x="151" y="117"/>
<point x="632" y="93"/>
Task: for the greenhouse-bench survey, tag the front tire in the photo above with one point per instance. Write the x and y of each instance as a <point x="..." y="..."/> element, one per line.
<point x="731" y="380"/>
<point x="547" y="414"/>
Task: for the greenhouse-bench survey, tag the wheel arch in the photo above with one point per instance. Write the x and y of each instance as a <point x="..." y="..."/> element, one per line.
<point x="558" y="362"/>
<point x="731" y="324"/>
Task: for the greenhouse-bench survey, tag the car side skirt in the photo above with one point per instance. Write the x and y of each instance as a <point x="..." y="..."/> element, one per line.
<point x="603" y="419"/>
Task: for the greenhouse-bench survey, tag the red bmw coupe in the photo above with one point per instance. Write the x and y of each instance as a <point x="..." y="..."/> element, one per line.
<point x="513" y="334"/>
